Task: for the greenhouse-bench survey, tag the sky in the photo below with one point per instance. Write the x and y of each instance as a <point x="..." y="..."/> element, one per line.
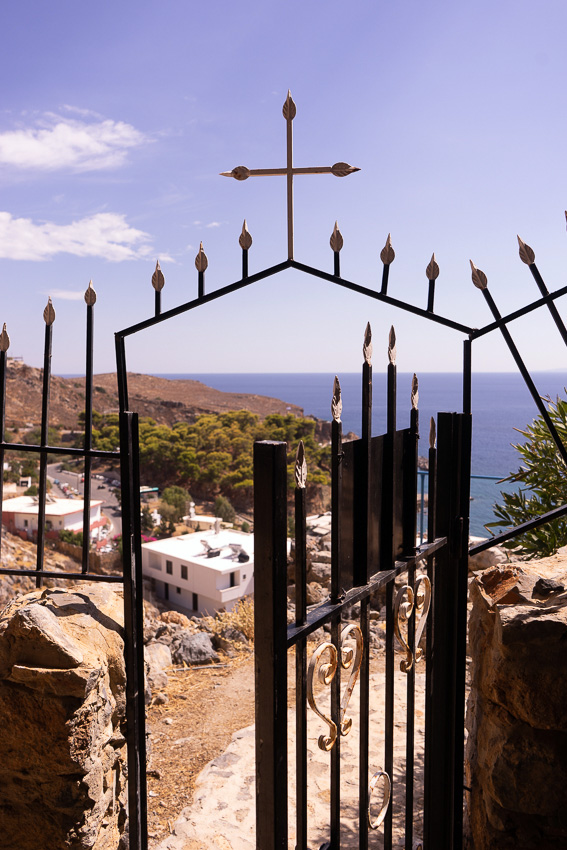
<point x="117" y="118"/>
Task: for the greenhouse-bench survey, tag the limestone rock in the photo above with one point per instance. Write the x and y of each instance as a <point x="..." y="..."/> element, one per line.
<point x="517" y="745"/>
<point x="158" y="658"/>
<point x="193" y="649"/>
<point x="62" y="712"/>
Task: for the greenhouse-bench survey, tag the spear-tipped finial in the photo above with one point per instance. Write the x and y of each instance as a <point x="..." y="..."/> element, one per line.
<point x="4" y="339"/>
<point x="201" y="261"/>
<point x="336" y="402"/>
<point x="367" y="344"/>
<point x="414" y="392"/>
<point x="527" y="254"/>
<point x="300" y="467"/>
<point x="90" y="295"/>
<point x="289" y="108"/>
<point x="158" y="280"/>
<point x="336" y="240"/>
<point x="432" y="270"/>
<point x="478" y="277"/>
<point x="239" y="173"/>
<point x="392" y="347"/>
<point x="387" y="254"/>
<point x="343" y="169"/>
<point x="432" y="433"/>
<point x="245" y="240"/>
<point x="49" y="313"/>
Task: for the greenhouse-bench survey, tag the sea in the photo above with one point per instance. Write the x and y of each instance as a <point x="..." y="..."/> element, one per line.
<point x="501" y="403"/>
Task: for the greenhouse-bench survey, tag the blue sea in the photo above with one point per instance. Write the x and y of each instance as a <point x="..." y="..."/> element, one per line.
<point x="500" y="403"/>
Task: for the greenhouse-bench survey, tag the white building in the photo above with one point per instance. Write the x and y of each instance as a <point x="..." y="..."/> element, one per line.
<point x="201" y="572"/>
<point x="20" y="515"/>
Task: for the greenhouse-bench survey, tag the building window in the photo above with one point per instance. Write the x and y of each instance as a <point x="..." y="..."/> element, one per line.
<point x="166" y="590"/>
<point x="195" y="602"/>
<point x="25" y="523"/>
<point x="178" y="590"/>
<point x="184" y="571"/>
<point x="243" y="577"/>
<point x="169" y="568"/>
<point x="233" y="579"/>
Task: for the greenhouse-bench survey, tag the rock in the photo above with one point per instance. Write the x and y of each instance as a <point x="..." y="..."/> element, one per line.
<point x="320" y="572"/>
<point x="175" y="617"/>
<point x="315" y="593"/>
<point x="193" y="649"/>
<point x="515" y="762"/>
<point x="62" y="720"/>
<point x="158" y="658"/>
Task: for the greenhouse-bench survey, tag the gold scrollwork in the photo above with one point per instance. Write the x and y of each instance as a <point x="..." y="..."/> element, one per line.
<point x="403" y="610"/>
<point x="350" y="659"/>
<point x="386" y="793"/>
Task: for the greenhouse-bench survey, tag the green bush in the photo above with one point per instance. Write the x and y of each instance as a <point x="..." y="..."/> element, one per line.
<point x="76" y="538"/>
<point x="543" y="481"/>
<point x="224" y="509"/>
<point x="178" y="498"/>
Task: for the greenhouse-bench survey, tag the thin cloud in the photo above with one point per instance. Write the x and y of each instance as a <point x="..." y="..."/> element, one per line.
<point x="66" y="295"/>
<point x="69" y="143"/>
<point x="213" y="224"/>
<point x="105" y="235"/>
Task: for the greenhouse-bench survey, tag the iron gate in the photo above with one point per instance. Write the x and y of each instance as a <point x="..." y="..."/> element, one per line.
<point x="374" y="502"/>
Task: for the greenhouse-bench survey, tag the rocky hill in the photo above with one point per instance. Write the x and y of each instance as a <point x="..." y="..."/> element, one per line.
<point x="166" y="401"/>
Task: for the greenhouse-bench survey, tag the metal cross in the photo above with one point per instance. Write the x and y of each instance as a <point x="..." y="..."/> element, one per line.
<point x="339" y="169"/>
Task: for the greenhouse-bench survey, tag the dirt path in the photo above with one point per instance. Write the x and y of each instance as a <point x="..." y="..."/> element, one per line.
<point x="205" y="707"/>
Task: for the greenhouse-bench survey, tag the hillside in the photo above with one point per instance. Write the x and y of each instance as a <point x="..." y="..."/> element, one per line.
<point x="166" y="401"/>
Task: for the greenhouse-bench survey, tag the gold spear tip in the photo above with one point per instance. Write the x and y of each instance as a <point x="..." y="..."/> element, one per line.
<point x="387" y="254"/>
<point x="289" y="108"/>
<point x="527" y="254"/>
<point x="478" y="277"/>
<point x="158" y="280"/>
<point x="239" y="173"/>
<point x="336" y="402"/>
<point x="432" y="270"/>
<point x="343" y="169"/>
<point x="4" y="339"/>
<point x="49" y="313"/>
<point x="300" y="467"/>
<point x="201" y="261"/>
<point x="90" y="295"/>
<point x="432" y="433"/>
<point x="245" y="240"/>
<point x="336" y="240"/>
<point x="392" y="346"/>
<point x="414" y="392"/>
<point x="367" y="344"/>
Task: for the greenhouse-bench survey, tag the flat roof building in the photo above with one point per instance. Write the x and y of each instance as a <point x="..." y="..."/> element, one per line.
<point x="19" y="515"/>
<point x="201" y="572"/>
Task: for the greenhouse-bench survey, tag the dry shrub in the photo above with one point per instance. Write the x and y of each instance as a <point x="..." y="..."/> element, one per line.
<point x="241" y="617"/>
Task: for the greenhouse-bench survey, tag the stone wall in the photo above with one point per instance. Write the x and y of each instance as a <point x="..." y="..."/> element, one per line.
<point x="516" y="761"/>
<point x="62" y="716"/>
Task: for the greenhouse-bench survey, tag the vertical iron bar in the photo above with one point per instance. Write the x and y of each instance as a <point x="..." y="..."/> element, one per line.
<point x="289" y="174"/>
<point x="270" y="657"/>
<point x="526" y="376"/>
<point x="301" y="668"/>
<point x="244" y="263"/>
<point x="201" y="284"/>
<point x="121" y="374"/>
<point x="3" y="359"/>
<point x="387" y="562"/>
<point x="430" y="296"/>
<point x="337" y="263"/>
<point x="88" y="439"/>
<point x="360" y="577"/>
<point x="410" y="531"/>
<point x="336" y="487"/>
<point x="429" y="756"/>
<point x="422" y="507"/>
<point x="158" y="302"/>
<point x="464" y="433"/>
<point x="43" y="442"/>
<point x="385" y="276"/>
<point x="551" y="304"/>
<point x="133" y="631"/>
<point x="467" y="375"/>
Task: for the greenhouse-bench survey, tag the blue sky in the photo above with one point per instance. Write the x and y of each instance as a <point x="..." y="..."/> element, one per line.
<point x="116" y="120"/>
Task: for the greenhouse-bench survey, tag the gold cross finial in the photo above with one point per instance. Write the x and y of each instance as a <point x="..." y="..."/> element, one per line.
<point x="339" y="169"/>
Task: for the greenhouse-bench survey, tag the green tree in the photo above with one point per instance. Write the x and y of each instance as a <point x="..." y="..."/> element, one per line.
<point x="146" y="522"/>
<point x="224" y="509"/>
<point x="178" y="498"/>
<point x="543" y="486"/>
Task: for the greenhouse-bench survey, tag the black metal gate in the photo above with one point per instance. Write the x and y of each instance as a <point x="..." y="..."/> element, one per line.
<point x="374" y="544"/>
